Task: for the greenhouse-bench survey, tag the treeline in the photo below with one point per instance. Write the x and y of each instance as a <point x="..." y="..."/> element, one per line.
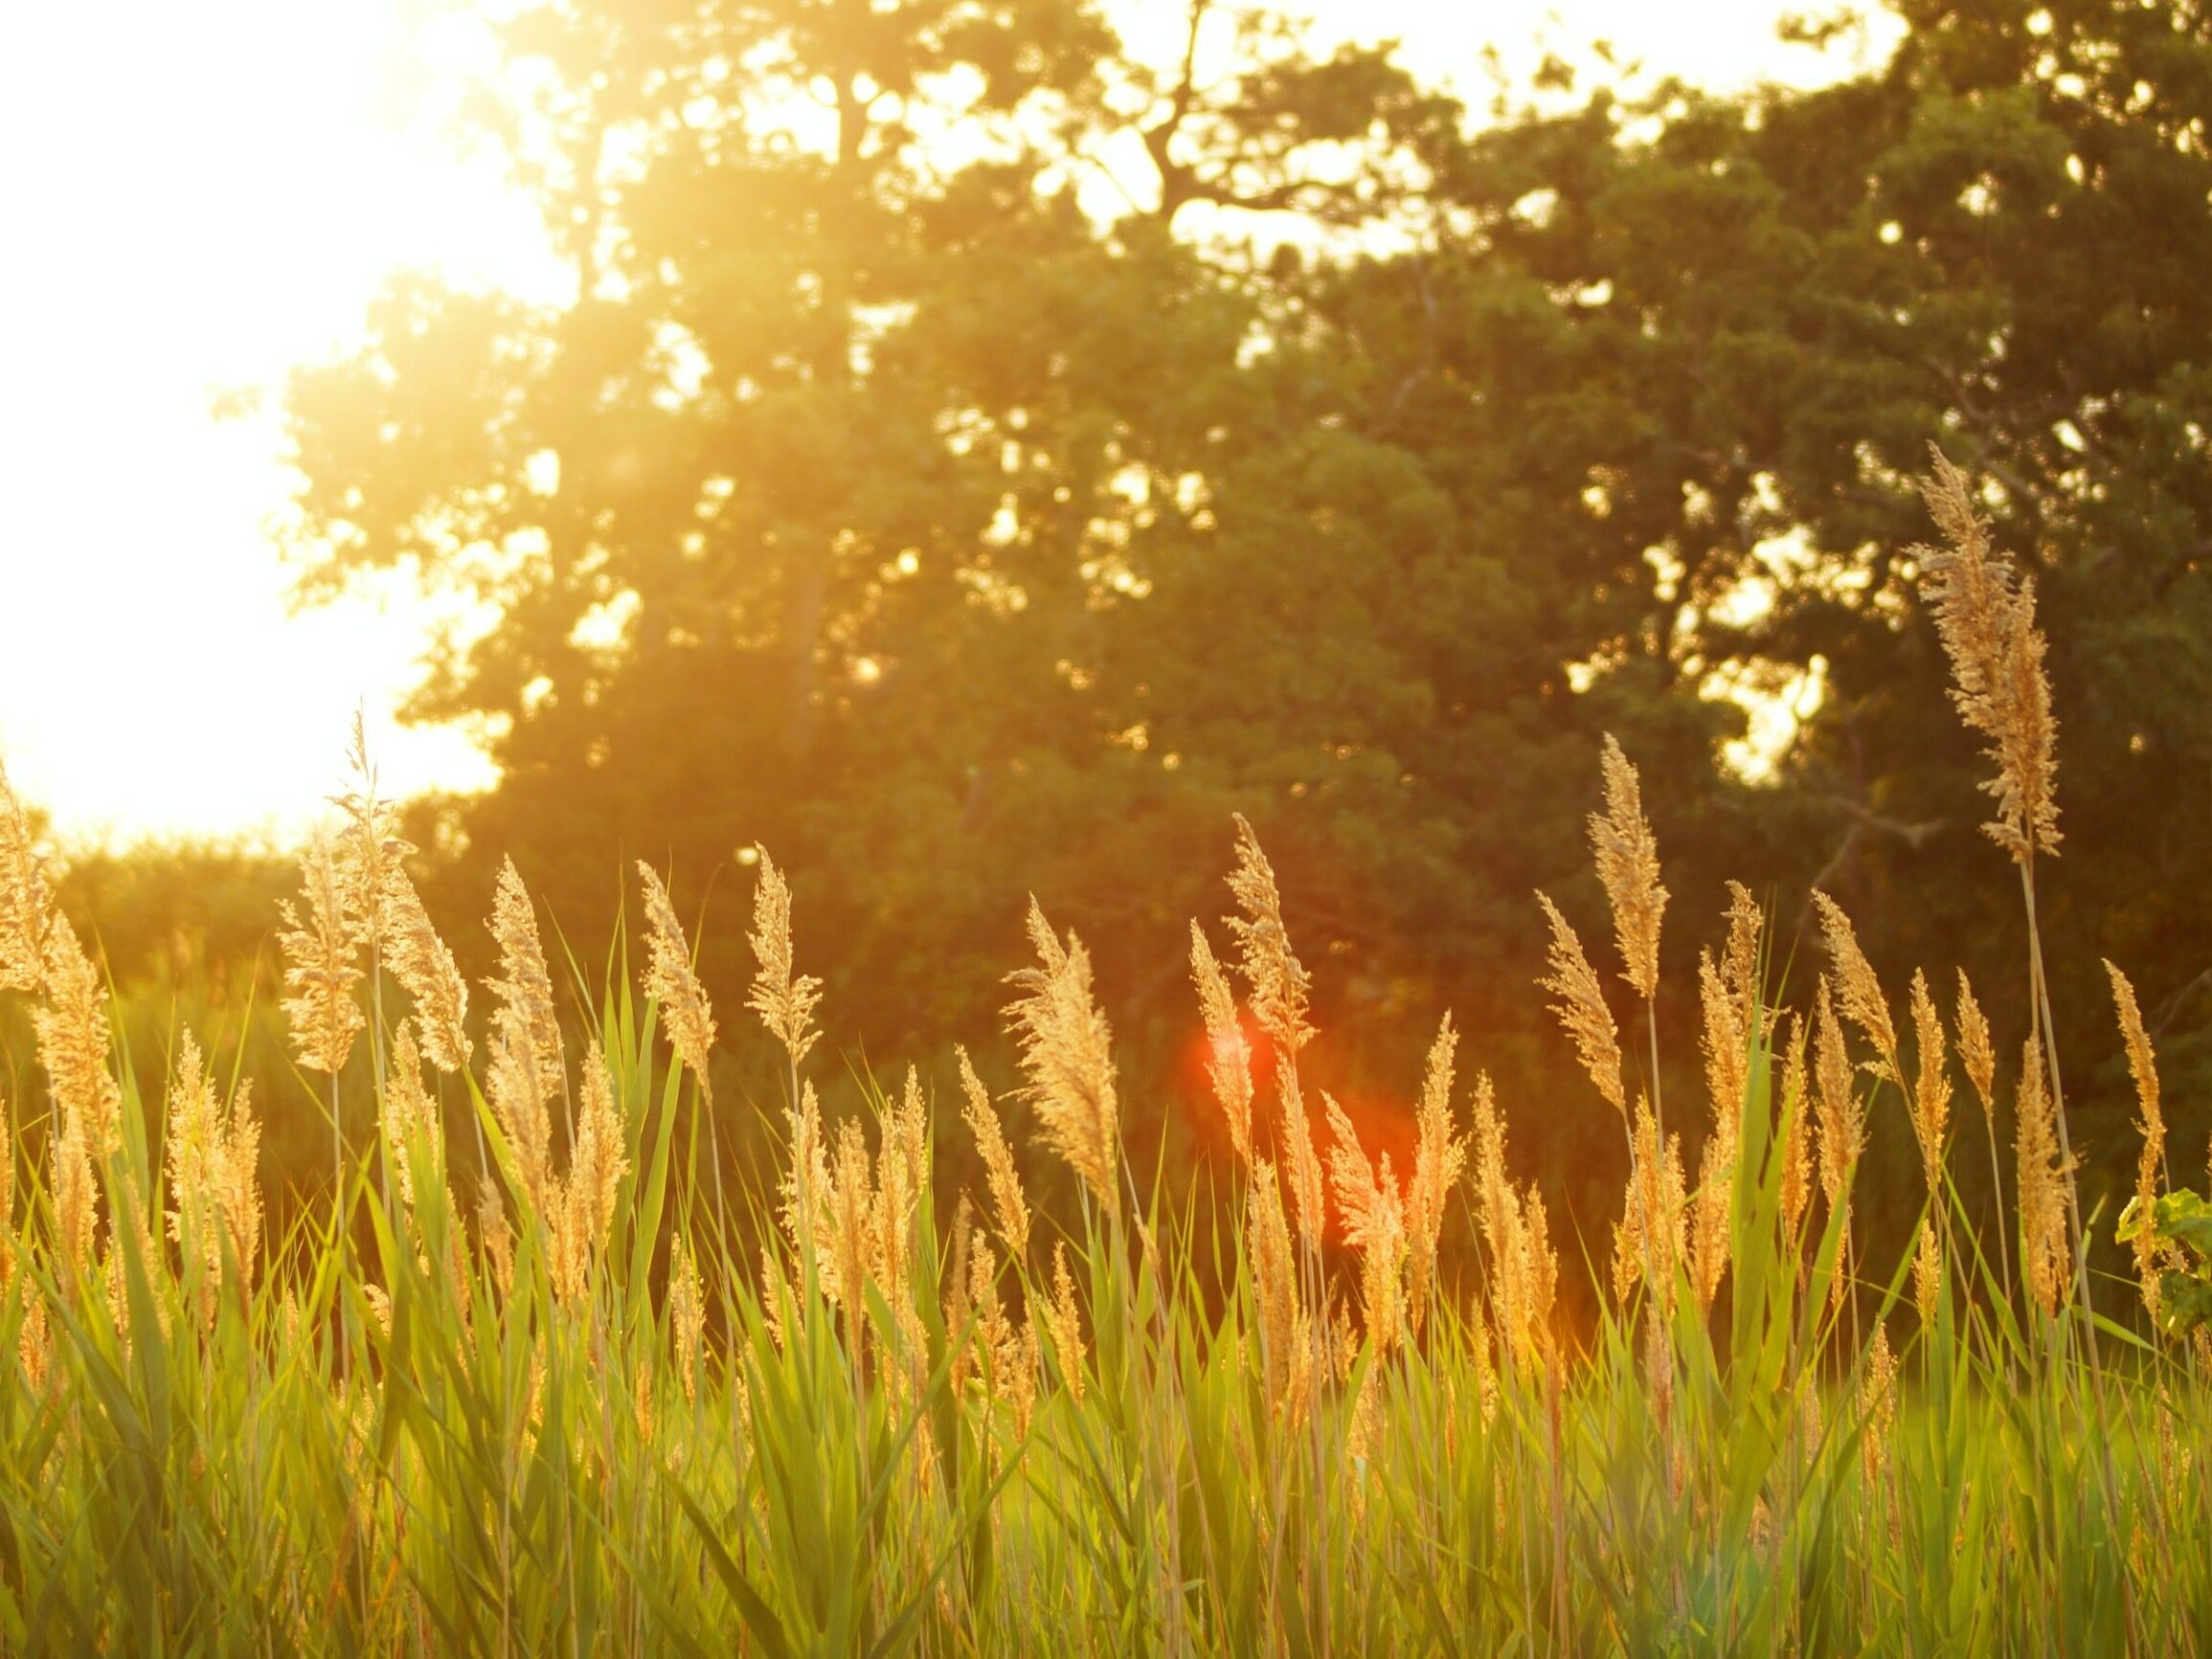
<point x="974" y="460"/>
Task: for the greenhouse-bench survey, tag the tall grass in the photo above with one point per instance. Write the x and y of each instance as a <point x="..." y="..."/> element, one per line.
<point x="544" y="1376"/>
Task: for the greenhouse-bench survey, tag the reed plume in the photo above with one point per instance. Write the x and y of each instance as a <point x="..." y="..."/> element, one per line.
<point x="1067" y="1055"/>
<point x="1930" y="1103"/>
<point x="671" y="982"/>
<point x="1374" y="1220"/>
<point x="410" y="1120"/>
<point x="1857" y="988"/>
<point x="687" y="1316"/>
<point x="1985" y="615"/>
<point x="1976" y="1052"/>
<point x="1008" y="1202"/>
<point x="1279" y="983"/>
<point x="25" y="899"/>
<point x="1228" y="1050"/>
<point x="1843" y="1122"/>
<point x="524" y="988"/>
<point x="2151" y="1123"/>
<point x="1796" y="1192"/>
<point x="1065" y="1321"/>
<point x="1727" y="1038"/>
<point x="1438" y="1158"/>
<point x="518" y="1094"/>
<point x="423" y="964"/>
<point x="319" y="970"/>
<point x="2045" y="1258"/>
<point x="584" y="1207"/>
<point x="807" y="1183"/>
<point x="72" y="1041"/>
<point x="1627" y="857"/>
<point x="1649" y="1243"/>
<point x="1582" y="1009"/>
<point x="785" y="1000"/>
<point x="1275" y="1289"/>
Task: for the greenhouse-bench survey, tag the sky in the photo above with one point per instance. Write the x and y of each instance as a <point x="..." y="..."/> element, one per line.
<point x="198" y="197"/>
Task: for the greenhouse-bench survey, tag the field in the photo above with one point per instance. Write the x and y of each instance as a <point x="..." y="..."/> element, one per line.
<point x="545" y="1377"/>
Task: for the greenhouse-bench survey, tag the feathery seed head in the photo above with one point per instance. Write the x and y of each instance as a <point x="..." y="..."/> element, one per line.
<point x="806" y="1185"/>
<point x="1931" y="1088"/>
<point x="671" y="982"/>
<point x="1374" y="1224"/>
<point x="1985" y="615"/>
<point x="1438" y="1159"/>
<point x="409" y="1118"/>
<point x="1008" y="1202"/>
<point x="1975" y="1049"/>
<point x="1857" y="987"/>
<point x="1065" y="1322"/>
<point x="1274" y="1282"/>
<point x="687" y="1316"/>
<point x="1228" y="1050"/>
<point x="2151" y="1121"/>
<point x="73" y="1040"/>
<point x="421" y="962"/>
<point x="1628" y="864"/>
<point x="524" y="987"/>
<point x="1582" y="1010"/>
<point x="518" y="1101"/>
<point x="25" y="899"/>
<point x="1798" y="1143"/>
<point x="1067" y="1055"/>
<point x="319" y="969"/>
<point x="785" y="1001"/>
<point x="2041" y="1179"/>
<point x="1841" y="1114"/>
<point x="1279" y="985"/>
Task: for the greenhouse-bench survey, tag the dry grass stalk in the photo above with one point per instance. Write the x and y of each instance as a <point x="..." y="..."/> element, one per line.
<point x="785" y="1000"/>
<point x="1857" y="988"/>
<point x="2045" y="1258"/>
<point x="1931" y="1100"/>
<point x="1842" y="1124"/>
<point x="1878" y="1403"/>
<point x="1066" y="1053"/>
<point x="1740" y="960"/>
<point x="1010" y="1204"/>
<point x="1985" y="615"/>
<point x="1374" y="1225"/>
<point x="1582" y="1009"/>
<point x="2150" y="1122"/>
<point x="1627" y="857"/>
<point x="1228" y="1050"/>
<point x="319" y="969"/>
<point x="1438" y="1159"/>
<point x="524" y="988"/>
<point x="671" y="983"/>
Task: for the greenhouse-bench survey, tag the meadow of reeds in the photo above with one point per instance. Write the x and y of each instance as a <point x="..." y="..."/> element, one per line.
<point x="542" y="1376"/>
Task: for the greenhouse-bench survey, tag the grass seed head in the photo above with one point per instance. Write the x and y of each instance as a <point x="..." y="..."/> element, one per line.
<point x="319" y="970"/>
<point x="1976" y="1052"/>
<point x="26" y="901"/>
<point x="671" y="982"/>
<point x="1857" y="988"/>
<point x="1228" y="1050"/>
<point x="1627" y="857"/>
<point x="1931" y="1099"/>
<point x="524" y="988"/>
<point x="1279" y="983"/>
<point x="2150" y="1121"/>
<point x="1985" y="615"/>
<point x="785" y="1000"/>
<point x="2043" y="1204"/>
<point x="1582" y="1009"/>
<point x="1010" y="1204"/>
<point x="1438" y="1158"/>
<point x="1067" y="1055"/>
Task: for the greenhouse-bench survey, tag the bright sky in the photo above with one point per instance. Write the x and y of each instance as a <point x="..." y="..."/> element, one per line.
<point x="196" y="196"/>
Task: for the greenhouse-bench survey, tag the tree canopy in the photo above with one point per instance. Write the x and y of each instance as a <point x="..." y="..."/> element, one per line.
<point x="973" y="459"/>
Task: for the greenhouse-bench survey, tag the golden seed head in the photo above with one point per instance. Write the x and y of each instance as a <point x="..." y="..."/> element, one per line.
<point x="671" y="983"/>
<point x="518" y="1101"/>
<point x="1438" y="1159"/>
<point x="524" y="988"/>
<point x="1303" y="1163"/>
<point x="1067" y="1055"/>
<point x="1857" y="987"/>
<point x="25" y="899"/>
<point x="1985" y="615"/>
<point x="1931" y="1100"/>
<point x="1740" y="962"/>
<point x="2150" y="1121"/>
<point x="687" y="1316"/>
<point x="1008" y="1202"/>
<point x="785" y="1001"/>
<point x="319" y="969"/>
<point x="1841" y="1113"/>
<point x="409" y="1118"/>
<point x="1279" y="985"/>
<point x="2043" y="1204"/>
<point x="1065" y="1321"/>
<point x="584" y="1205"/>
<point x="1228" y="1050"/>
<point x="1628" y="864"/>
<point x="1878" y="1402"/>
<point x="1582" y="1010"/>
<point x="1798" y="1143"/>
<point x="1273" y="1281"/>
<point x="72" y="1041"/>
<point x="421" y="962"/>
<point x="850" y="1204"/>
<point x="1976" y="1052"/>
<point x="1374" y="1224"/>
<point x="1650" y="1241"/>
<point x="806" y="1184"/>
